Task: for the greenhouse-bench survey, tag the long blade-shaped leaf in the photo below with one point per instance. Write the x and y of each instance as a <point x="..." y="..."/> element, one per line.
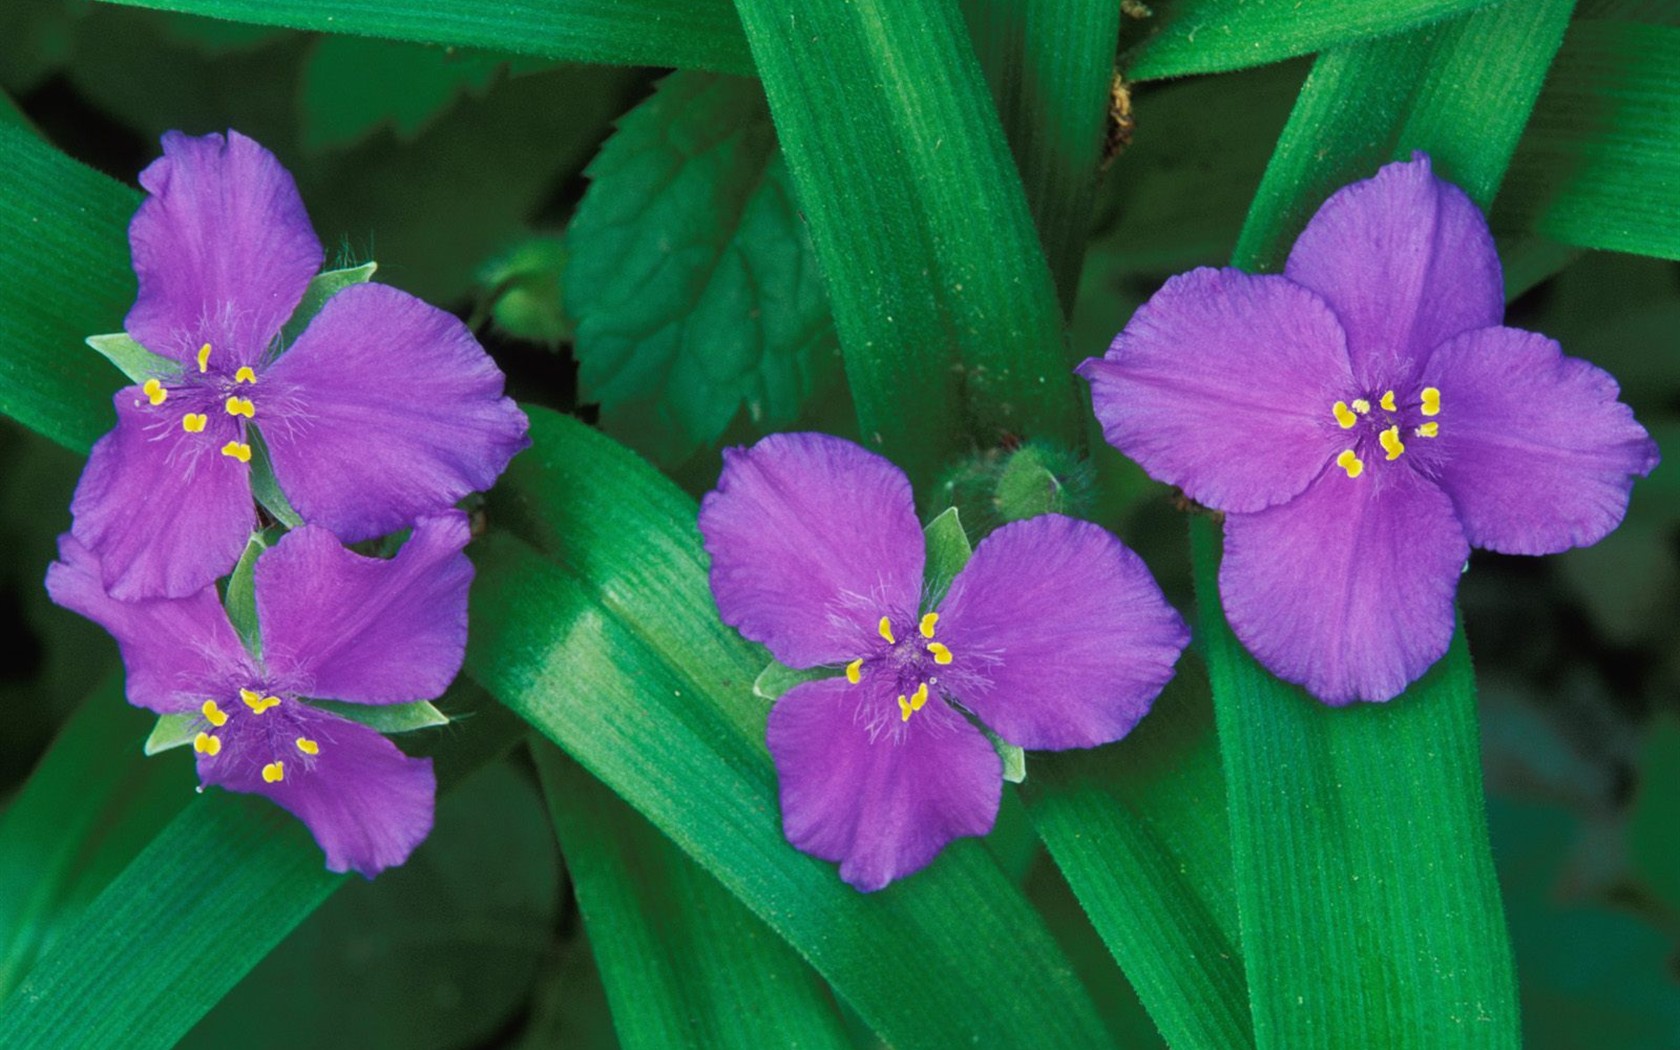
<point x="934" y="271"/>
<point x="698" y="34"/>
<point x="608" y="643"/>
<point x="64" y="279"/>
<point x="684" y="963"/>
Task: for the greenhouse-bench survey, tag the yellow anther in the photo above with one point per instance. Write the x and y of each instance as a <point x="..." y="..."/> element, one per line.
<point x="904" y="706"/>
<point x="193" y="422"/>
<point x="245" y="375"/>
<point x="886" y="631"/>
<point x="204" y="358"/>
<point x="274" y="772"/>
<point x="912" y="703"/>
<point x="854" y="671"/>
<point x="941" y="655"/>
<point x="241" y="406"/>
<point x="1431" y="401"/>
<point x="308" y="746"/>
<point x="213" y="714"/>
<point x="205" y="744"/>
<point x="1344" y="416"/>
<point x="1387" y="401"/>
<point x="257" y="702"/>
<point x="1390" y="439"/>
<point x="1429" y="430"/>
<point x="1350" y="463"/>
<point x="154" y="391"/>
<point x="238" y="450"/>
<point x="1361" y="405"/>
<point x="927" y="624"/>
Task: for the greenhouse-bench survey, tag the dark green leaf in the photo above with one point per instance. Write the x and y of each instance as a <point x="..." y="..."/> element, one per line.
<point x="691" y="276"/>
<point x="1654" y="823"/>
<point x="700" y="34"/>
<point x="685" y="963"/>
<point x="353" y="86"/>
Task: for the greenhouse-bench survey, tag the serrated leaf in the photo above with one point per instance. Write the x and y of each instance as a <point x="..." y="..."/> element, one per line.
<point x="388" y="718"/>
<point x="778" y="678"/>
<point x="947" y="552"/>
<point x="690" y="275"/>
<point x="352" y="86"/>
<point x="323" y="286"/>
<point x="134" y="360"/>
<point x="170" y="732"/>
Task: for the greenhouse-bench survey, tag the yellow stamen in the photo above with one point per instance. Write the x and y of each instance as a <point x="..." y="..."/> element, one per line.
<point x="1390" y="439"/>
<point x="1361" y="405"/>
<point x="854" y="671"/>
<point x="245" y="375"/>
<point x="1343" y="415"/>
<point x="308" y="746"/>
<point x="204" y="358"/>
<point x="238" y="450"/>
<point x="257" y="702"/>
<point x="904" y="706"/>
<point x="1431" y="401"/>
<point x="1429" y="430"/>
<point x="927" y="624"/>
<point x="1350" y="463"/>
<point x="1387" y="401"/>
<point x="241" y="406"/>
<point x="193" y="422"/>
<point x="941" y="655"/>
<point x="213" y="714"/>
<point x="914" y="702"/>
<point x="886" y="631"/>
<point x="274" y="772"/>
<point x="154" y="391"/>
<point x="205" y="744"/>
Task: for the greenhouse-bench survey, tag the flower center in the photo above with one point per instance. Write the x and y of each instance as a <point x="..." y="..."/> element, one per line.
<point x="907" y="661"/>
<point x="1383" y="424"/>
<point x="212" y="393"/>
<point x="270" y="742"/>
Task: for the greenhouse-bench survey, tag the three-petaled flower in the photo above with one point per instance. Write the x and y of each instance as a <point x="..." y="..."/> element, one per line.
<point x="1054" y="635"/>
<point x="383" y="409"/>
<point x="1363" y="420"/>
<point x="332" y="625"/>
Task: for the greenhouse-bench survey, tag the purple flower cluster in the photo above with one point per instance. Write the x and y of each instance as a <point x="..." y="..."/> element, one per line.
<point x="380" y="415"/>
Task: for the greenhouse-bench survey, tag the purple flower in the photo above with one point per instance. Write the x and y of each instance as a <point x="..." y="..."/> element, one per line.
<point x="384" y="409"/>
<point x="1363" y="420"/>
<point x="1054" y="635"/>
<point x="333" y="625"/>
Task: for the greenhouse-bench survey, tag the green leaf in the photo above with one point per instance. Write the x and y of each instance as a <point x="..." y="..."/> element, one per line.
<point x="68" y="277"/>
<point x="353" y="86"/>
<point x="617" y="609"/>
<point x="388" y="719"/>
<point x="211" y="894"/>
<point x="691" y="277"/>
<point x="934" y="271"/>
<point x="1654" y="818"/>
<point x="170" y="732"/>
<point x="264" y="486"/>
<point x="521" y="288"/>
<point x="1599" y="166"/>
<point x="241" y="599"/>
<point x="685" y="963"/>
<point x="947" y="553"/>
<point x="134" y="360"/>
<point x="693" y="34"/>
<point x="1213" y="36"/>
<point x="323" y="286"/>
<point x="777" y="679"/>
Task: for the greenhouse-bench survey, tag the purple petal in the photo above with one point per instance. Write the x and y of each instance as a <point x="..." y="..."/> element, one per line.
<point x="1059" y="635"/>
<point x="1348" y="589"/>
<point x="882" y="801"/>
<point x="383" y="410"/>
<point x="812" y="540"/>
<point x="367" y="630"/>
<point x="222" y="248"/>
<point x="366" y="803"/>
<point x="164" y="511"/>
<point x="1222" y="384"/>
<point x="1535" y="450"/>
<point x="1407" y="262"/>
<point x="175" y="650"/>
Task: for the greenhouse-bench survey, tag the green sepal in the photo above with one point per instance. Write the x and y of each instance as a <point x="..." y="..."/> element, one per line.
<point x="241" y="599"/>
<point x="323" y="286"/>
<point x="947" y="553"/>
<point x="387" y="718"/>
<point x="777" y="679"/>
<point x="265" y="488"/>
<point x="1039" y="478"/>
<point x="1014" y="758"/>
<point x="134" y="360"/>
<point x="172" y="731"/>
